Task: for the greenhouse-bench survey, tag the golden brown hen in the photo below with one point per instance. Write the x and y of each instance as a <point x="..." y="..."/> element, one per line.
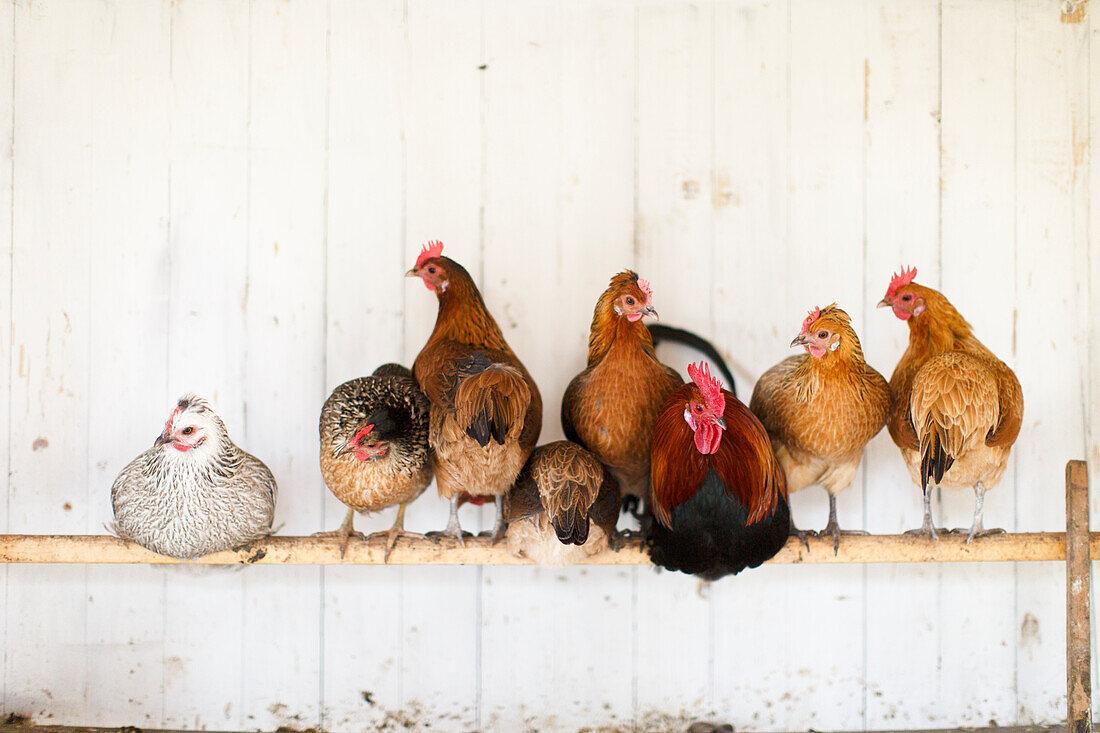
<point x="956" y="409"/>
<point x="486" y="412"/>
<point x="564" y="506"/>
<point x="822" y="407"/>
<point x="611" y="407"/>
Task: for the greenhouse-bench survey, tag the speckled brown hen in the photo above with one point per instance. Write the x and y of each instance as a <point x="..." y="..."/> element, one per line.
<point x="486" y="411"/>
<point x="821" y="408"/>
<point x="563" y="508"/>
<point x="374" y="447"/>
<point x="956" y="409"/>
<point x="611" y="407"/>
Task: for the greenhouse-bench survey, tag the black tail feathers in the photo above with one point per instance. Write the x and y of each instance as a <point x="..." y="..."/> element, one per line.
<point x="661" y="333"/>
<point x="934" y="461"/>
<point x="571" y="527"/>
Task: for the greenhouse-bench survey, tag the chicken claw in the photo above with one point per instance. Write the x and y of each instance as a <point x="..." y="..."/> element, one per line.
<point x="345" y="533"/>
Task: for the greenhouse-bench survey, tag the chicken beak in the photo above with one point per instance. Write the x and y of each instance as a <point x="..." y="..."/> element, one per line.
<point x="884" y="303"/>
<point x="720" y="422"/>
<point x="162" y="439"/>
<point x="412" y="273"/>
<point x="341" y="449"/>
<point x="799" y="340"/>
<point x="651" y="311"/>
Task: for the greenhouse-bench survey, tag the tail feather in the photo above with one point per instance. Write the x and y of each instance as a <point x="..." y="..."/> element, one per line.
<point x="659" y="332"/>
<point x="934" y="459"/>
<point x="571" y="526"/>
<point x="492" y="405"/>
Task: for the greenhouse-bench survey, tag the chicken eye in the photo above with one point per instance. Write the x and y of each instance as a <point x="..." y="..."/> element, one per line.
<point x="907" y="297"/>
<point x="823" y="335"/>
<point x="698" y="408"/>
<point x="431" y="269"/>
<point x="188" y="430"/>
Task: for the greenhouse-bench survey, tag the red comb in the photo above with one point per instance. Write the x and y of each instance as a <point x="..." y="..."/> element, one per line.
<point x="709" y="386"/>
<point x="643" y="285"/>
<point x="430" y="250"/>
<point x="813" y="316"/>
<point x="900" y="279"/>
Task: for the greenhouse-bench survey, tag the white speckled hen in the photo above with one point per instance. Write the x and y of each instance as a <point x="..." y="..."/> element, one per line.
<point x="374" y="447"/>
<point x="194" y="492"/>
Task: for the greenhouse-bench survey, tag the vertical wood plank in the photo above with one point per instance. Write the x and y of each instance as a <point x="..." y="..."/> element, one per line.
<point x="1092" y="396"/>
<point x="674" y="238"/>
<point x="979" y="276"/>
<point x="1051" y="320"/>
<point x="442" y="107"/>
<point x="7" y="146"/>
<point x="128" y="309"/>
<point x="53" y="99"/>
<point x="558" y="223"/>
<point x="364" y="314"/>
<point x="285" y="326"/>
<point x="207" y="342"/>
<point x="902" y="79"/>
<point x="752" y="242"/>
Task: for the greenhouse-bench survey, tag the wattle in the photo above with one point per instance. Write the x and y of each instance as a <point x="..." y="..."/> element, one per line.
<point x="902" y="314"/>
<point x="707" y="438"/>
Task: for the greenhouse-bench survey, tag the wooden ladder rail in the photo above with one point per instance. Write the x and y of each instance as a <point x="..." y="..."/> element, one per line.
<point x="1078" y="600"/>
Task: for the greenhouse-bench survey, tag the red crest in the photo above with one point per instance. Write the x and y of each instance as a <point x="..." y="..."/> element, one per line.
<point x="710" y="387"/>
<point x="430" y="250"/>
<point x="900" y="279"/>
<point x="643" y="285"/>
<point x="809" y="321"/>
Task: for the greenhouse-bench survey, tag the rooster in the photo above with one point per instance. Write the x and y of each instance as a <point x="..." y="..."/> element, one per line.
<point x="486" y="412"/>
<point x="718" y="494"/>
<point x="610" y="408"/>
<point x="822" y="407"/>
<point x="374" y="447"/>
<point x="194" y="492"/>
<point x="956" y="409"/>
<point x="563" y="507"/>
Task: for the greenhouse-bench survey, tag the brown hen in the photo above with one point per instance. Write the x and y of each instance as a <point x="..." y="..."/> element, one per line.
<point x="956" y="409"/>
<point x="564" y="506"/>
<point x="822" y="407"/>
<point x="486" y="412"/>
<point x="611" y="407"/>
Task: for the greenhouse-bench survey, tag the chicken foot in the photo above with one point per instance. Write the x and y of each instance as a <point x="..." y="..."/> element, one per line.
<point x="397" y="531"/>
<point x="801" y="534"/>
<point x="833" y="528"/>
<point x="501" y="526"/>
<point x="454" y="529"/>
<point x="976" y="529"/>
<point x="345" y="532"/>
<point x="927" y="528"/>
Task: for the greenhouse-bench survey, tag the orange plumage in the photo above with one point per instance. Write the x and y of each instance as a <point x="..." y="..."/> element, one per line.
<point x="486" y="411"/>
<point x="822" y="407"/>
<point x="956" y="409"/>
<point x="610" y="408"/>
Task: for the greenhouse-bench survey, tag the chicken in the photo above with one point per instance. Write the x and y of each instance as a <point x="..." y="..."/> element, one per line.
<point x="822" y="407"/>
<point x="956" y="409"/>
<point x="610" y="408"/>
<point x="486" y="412"/>
<point x="374" y="447"/>
<point x="194" y="492"/>
<point x="563" y="507"/>
<point x="718" y="492"/>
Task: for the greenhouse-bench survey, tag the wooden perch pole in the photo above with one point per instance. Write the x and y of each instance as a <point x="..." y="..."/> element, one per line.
<point x="1038" y="546"/>
<point x="1078" y="571"/>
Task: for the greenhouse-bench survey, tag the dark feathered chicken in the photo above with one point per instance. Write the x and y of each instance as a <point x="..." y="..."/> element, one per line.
<point x="563" y="507"/>
<point x="374" y="446"/>
<point x="718" y="494"/>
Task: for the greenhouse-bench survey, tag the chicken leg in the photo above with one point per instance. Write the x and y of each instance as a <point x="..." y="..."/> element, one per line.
<point x="345" y="532"/>
<point x="833" y="528"/>
<point x="976" y="528"/>
<point x="501" y="526"/>
<point x="397" y="531"/>
<point x="927" y="528"/>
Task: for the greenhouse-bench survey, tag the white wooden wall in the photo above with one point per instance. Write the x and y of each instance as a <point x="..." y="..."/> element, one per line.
<point x="222" y="196"/>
